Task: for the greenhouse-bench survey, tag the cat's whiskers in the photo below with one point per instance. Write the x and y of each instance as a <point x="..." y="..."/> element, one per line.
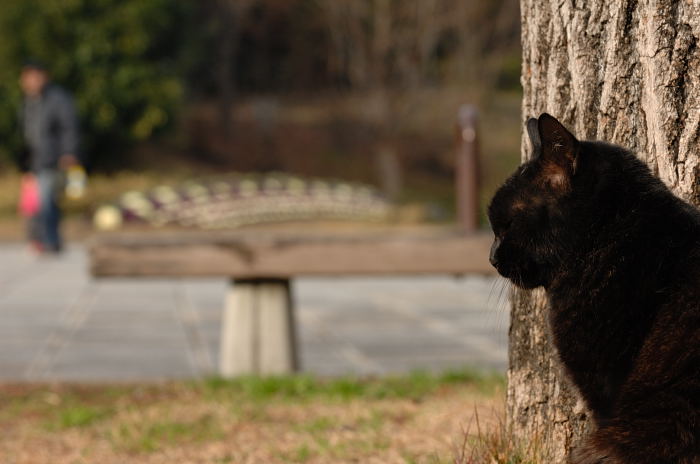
<point x="499" y="297"/>
<point x="494" y="283"/>
<point x="504" y="297"/>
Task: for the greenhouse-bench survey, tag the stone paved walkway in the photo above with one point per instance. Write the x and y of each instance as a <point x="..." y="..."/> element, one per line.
<point x="56" y="323"/>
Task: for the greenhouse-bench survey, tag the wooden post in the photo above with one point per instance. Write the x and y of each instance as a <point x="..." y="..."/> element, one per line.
<point x="467" y="169"/>
<point x="257" y="334"/>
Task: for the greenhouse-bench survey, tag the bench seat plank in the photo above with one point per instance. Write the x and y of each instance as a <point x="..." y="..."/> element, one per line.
<point x="246" y="255"/>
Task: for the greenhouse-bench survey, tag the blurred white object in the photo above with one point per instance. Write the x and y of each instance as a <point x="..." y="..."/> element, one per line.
<point x="75" y="182"/>
<point x="107" y="217"/>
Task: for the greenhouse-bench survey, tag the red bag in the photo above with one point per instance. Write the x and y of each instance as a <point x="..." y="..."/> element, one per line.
<point x="28" y="197"/>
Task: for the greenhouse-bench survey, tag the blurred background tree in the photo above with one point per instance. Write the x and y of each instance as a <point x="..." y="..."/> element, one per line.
<point x="393" y="48"/>
<point x="364" y="90"/>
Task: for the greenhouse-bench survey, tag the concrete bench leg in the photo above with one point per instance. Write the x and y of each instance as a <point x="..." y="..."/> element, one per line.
<point x="258" y="334"/>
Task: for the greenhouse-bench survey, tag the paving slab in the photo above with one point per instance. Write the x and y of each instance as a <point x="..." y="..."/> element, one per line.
<point x="59" y="324"/>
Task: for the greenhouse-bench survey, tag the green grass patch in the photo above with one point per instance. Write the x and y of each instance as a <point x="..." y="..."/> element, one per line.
<point x="78" y="415"/>
<point x="302" y="454"/>
<point x="373" y="422"/>
<point x="152" y="436"/>
<point x="56" y="409"/>
<point x="299" y="387"/>
<point x="319" y="425"/>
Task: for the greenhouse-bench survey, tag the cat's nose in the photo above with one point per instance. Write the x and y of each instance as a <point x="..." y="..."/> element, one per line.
<point x="492" y="254"/>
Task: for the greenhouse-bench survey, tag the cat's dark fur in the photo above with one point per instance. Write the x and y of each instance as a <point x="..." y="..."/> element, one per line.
<point x="619" y="257"/>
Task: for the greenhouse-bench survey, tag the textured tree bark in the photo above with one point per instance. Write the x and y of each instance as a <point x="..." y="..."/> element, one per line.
<point x="627" y="72"/>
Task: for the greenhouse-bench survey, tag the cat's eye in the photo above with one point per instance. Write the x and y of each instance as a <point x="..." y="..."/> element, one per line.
<point x="502" y="228"/>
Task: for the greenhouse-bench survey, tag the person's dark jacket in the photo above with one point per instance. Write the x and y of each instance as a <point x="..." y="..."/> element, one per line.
<point x="50" y="129"/>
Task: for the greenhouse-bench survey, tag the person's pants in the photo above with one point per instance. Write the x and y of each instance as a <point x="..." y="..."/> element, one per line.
<point x="47" y="220"/>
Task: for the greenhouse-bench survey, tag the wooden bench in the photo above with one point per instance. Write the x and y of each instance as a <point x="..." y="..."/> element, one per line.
<point x="258" y="332"/>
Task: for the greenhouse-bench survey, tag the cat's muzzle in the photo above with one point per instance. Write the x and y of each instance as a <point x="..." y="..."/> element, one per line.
<point x="492" y="254"/>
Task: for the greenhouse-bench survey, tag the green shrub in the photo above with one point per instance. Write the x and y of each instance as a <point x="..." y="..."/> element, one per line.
<point x="122" y="59"/>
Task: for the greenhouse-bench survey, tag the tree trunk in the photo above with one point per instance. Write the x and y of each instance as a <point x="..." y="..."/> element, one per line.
<point x="627" y="72"/>
<point x="228" y="32"/>
<point x="230" y="19"/>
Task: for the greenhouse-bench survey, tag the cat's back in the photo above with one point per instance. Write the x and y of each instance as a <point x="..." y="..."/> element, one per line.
<point x="661" y="231"/>
<point x="671" y="351"/>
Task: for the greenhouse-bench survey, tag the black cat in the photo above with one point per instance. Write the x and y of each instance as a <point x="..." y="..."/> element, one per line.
<point x="619" y="257"/>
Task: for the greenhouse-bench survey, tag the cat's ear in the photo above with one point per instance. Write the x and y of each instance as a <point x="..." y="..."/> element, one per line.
<point x="559" y="150"/>
<point x="534" y="133"/>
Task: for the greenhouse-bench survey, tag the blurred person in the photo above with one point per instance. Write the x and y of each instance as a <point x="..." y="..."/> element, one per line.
<point x="50" y="130"/>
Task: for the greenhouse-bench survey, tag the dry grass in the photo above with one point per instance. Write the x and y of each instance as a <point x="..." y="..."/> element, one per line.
<point x="416" y="419"/>
<point x="495" y="444"/>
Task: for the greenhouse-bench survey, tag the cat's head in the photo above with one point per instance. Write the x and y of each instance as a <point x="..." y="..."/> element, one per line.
<point x="527" y="212"/>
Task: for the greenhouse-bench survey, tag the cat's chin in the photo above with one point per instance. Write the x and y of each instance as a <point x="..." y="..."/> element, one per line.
<point x="527" y="285"/>
<point x="524" y="283"/>
<point x="526" y="275"/>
